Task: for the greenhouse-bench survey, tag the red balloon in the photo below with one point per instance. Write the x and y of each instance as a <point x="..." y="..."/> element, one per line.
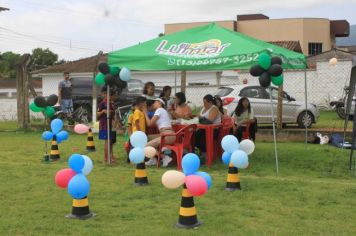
<point x="63" y="177"/>
<point x="196" y="185"/>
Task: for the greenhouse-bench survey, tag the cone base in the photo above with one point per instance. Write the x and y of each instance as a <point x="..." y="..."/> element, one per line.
<point x="141" y="184"/>
<point x="181" y="226"/>
<point x="90" y="149"/>
<point x="232" y="189"/>
<point x="83" y="217"/>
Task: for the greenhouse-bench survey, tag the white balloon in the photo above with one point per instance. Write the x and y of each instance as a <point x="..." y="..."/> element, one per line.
<point x="150" y="152"/>
<point x="88" y="165"/>
<point x="247" y="146"/>
<point x="173" y="179"/>
<point x="333" y="61"/>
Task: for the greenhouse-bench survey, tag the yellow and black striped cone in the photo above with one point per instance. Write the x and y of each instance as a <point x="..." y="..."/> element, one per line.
<point x="54" y="154"/>
<point x="80" y="209"/>
<point x="90" y="142"/>
<point x="141" y="174"/>
<point x="233" y="179"/>
<point x="187" y="213"/>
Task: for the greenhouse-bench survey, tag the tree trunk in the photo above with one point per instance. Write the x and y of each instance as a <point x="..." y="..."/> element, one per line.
<point x="183" y="81"/>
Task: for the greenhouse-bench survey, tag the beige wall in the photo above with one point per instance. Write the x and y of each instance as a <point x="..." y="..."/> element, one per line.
<point x="173" y="28"/>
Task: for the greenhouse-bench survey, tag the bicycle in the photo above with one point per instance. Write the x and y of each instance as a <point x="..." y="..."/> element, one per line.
<point x="80" y="115"/>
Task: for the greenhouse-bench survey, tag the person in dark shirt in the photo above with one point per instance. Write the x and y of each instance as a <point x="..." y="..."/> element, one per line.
<point x="65" y="94"/>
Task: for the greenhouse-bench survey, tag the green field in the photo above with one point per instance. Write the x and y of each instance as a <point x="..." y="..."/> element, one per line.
<point x="314" y="194"/>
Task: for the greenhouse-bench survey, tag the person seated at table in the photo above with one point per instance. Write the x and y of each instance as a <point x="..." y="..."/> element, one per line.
<point x="209" y="114"/>
<point x="162" y="120"/>
<point x="220" y="105"/>
<point x="166" y="96"/>
<point x="149" y="94"/>
<point x="180" y="110"/>
<point x="243" y="115"/>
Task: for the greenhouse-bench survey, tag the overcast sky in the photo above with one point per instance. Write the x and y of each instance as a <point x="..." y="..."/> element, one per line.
<point x="80" y="28"/>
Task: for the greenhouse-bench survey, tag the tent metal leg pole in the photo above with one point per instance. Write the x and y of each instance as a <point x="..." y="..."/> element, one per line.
<point x="274" y="131"/>
<point x="306" y="105"/>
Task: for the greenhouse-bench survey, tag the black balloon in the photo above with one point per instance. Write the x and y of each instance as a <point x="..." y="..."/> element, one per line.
<point x="109" y="79"/>
<point x="52" y="100"/>
<point x="104" y="68"/>
<point x="119" y="83"/>
<point x="265" y="80"/>
<point x="275" y="70"/>
<point x="276" y="60"/>
<point x="256" y="70"/>
<point x="40" y="101"/>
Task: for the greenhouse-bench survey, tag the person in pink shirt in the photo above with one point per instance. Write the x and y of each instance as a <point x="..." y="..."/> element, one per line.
<point x="180" y="110"/>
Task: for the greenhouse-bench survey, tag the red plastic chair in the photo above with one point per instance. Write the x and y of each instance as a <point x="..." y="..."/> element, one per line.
<point x="226" y="125"/>
<point x="183" y="137"/>
<point x="246" y="133"/>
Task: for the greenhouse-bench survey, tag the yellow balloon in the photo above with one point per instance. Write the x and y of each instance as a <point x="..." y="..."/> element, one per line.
<point x="173" y="179"/>
<point x="150" y="152"/>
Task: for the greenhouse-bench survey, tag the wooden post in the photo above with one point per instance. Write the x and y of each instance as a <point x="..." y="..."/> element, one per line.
<point x="183" y="81"/>
<point x="280" y="108"/>
<point x="22" y="86"/>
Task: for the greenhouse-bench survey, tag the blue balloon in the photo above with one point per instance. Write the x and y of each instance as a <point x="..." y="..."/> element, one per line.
<point x="88" y="165"/>
<point x="78" y="186"/>
<point x="47" y="136"/>
<point x="138" y="139"/>
<point x="230" y="143"/>
<point x="137" y="155"/>
<point x="226" y="157"/>
<point x="190" y="163"/>
<point x="62" y="136"/>
<point x="206" y="176"/>
<point x="125" y="74"/>
<point x="76" y="162"/>
<point x="239" y="159"/>
<point x="56" y="125"/>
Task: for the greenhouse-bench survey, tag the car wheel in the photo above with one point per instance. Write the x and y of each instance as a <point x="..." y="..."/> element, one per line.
<point x="305" y="119"/>
<point x="83" y="114"/>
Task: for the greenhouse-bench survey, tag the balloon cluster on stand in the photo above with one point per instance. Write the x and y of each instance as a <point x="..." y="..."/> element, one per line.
<point x="268" y="69"/>
<point x="138" y="141"/>
<point x="56" y="126"/>
<point x="236" y="153"/>
<point x="112" y="76"/>
<point x="45" y="105"/>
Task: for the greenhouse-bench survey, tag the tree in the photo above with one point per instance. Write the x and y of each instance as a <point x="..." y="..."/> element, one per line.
<point x="42" y="58"/>
<point x="8" y="61"/>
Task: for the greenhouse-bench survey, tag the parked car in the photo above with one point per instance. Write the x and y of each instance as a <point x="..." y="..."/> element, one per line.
<point x="293" y="111"/>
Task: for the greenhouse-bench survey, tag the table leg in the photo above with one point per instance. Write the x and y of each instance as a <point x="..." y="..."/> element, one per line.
<point x="209" y="139"/>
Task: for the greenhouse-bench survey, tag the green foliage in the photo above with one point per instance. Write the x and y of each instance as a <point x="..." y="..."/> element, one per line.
<point x="8" y="61"/>
<point x="42" y="58"/>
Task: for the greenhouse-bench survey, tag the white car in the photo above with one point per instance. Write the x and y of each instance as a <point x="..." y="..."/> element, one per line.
<point x="294" y="112"/>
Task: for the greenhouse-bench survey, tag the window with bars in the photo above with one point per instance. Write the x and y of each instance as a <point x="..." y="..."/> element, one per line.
<point x="315" y="48"/>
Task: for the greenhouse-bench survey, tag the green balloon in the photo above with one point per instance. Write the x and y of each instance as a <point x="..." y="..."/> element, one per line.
<point x="264" y="60"/>
<point x="49" y="112"/>
<point x="114" y="70"/>
<point x="100" y="79"/>
<point x="35" y="108"/>
<point x="277" y="80"/>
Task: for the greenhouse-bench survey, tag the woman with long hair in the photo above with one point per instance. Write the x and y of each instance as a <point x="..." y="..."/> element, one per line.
<point x="149" y="94"/>
<point x="180" y="109"/>
<point x="243" y="116"/>
<point x="220" y="105"/>
<point x="166" y="96"/>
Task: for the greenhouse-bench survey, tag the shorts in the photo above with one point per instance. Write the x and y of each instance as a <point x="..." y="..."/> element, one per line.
<point x="103" y="135"/>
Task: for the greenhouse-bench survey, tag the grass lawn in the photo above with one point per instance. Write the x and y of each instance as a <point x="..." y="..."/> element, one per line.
<point x="315" y="194"/>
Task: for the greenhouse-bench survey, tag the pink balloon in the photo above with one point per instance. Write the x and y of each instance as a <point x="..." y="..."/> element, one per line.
<point x="81" y="129"/>
<point x="196" y="185"/>
<point x="63" y="177"/>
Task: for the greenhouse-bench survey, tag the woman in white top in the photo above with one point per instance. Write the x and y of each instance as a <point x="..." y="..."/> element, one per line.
<point x="210" y="114"/>
<point x="162" y="120"/>
<point x="243" y="115"/>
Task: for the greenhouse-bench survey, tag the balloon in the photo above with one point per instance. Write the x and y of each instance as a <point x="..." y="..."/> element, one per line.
<point x="56" y="125"/>
<point x="277" y="80"/>
<point x="47" y="136"/>
<point x="247" y="146"/>
<point x="63" y="177"/>
<point x="190" y="163"/>
<point x="109" y="79"/>
<point x="81" y="129"/>
<point x="173" y="179"/>
<point x="125" y="74"/>
<point x="137" y="155"/>
<point x="119" y="83"/>
<point x="230" y="143"/>
<point x="196" y="185"/>
<point x="265" y="79"/>
<point x="49" y="112"/>
<point x="206" y="177"/>
<point x="35" y="108"/>
<point x="52" y="100"/>
<point x="100" y="79"/>
<point x="40" y="101"/>
<point x="256" y="70"/>
<point x="276" y="60"/>
<point x="114" y="70"/>
<point x="333" y="61"/>
<point x="138" y="139"/>
<point x="150" y="152"/>
<point x="226" y="157"/>
<point x="62" y="136"/>
<point x="104" y="68"/>
<point x="88" y="165"/>
<point x="239" y="159"/>
<point x="78" y="186"/>
<point x="76" y="162"/>
<point x="264" y="60"/>
<point x="275" y="70"/>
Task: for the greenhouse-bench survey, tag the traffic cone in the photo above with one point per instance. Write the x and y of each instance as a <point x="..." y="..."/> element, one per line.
<point x="141" y="174"/>
<point x="90" y="141"/>
<point x="233" y="179"/>
<point x="187" y="213"/>
<point x="54" y="154"/>
<point x="80" y="209"/>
